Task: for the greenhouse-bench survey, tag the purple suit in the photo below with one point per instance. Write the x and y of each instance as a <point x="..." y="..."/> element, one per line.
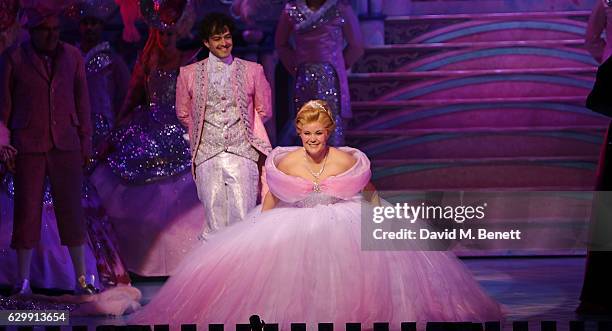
<point x="48" y="116"/>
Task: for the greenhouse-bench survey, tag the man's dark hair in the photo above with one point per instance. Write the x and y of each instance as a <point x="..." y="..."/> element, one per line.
<point x="216" y="23"/>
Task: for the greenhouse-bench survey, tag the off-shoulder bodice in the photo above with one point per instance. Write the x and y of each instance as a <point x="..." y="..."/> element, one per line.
<point x="292" y="189"/>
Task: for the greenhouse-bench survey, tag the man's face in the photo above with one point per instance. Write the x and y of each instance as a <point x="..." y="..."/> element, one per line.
<point x="220" y="44"/>
<point x="45" y="36"/>
<point x="91" y="29"/>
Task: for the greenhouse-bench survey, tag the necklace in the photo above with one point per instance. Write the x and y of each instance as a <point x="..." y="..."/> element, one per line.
<point x="316" y="174"/>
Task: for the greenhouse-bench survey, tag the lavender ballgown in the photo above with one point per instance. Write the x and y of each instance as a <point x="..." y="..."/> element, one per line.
<point x="146" y="186"/>
<point x="302" y="262"/>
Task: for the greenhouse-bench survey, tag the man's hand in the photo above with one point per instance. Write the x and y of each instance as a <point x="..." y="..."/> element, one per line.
<point x="7" y="155"/>
<point x="7" y="152"/>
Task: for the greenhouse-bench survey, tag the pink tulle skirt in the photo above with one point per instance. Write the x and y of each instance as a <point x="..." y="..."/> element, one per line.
<point x="295" y="265"/>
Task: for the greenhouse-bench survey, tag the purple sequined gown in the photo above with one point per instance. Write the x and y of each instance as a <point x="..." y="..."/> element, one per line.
<point x="151" y="147"/>
<point x="146" y="184"/>
<point x="327" y="41"/>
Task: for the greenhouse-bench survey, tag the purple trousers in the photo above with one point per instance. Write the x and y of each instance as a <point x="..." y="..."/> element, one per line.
<point x="66" y="178"/>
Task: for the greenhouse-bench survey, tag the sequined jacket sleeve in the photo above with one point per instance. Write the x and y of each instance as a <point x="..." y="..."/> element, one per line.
<point x="263" y="94"/>
<point x="594" y="43"/>
<point x="285" y="51"/>
<point x="352" y="34"/>
<point x="184" y="101"/>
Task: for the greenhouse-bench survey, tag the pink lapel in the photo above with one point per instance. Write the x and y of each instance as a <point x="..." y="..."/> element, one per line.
<point x="200" y="124"/>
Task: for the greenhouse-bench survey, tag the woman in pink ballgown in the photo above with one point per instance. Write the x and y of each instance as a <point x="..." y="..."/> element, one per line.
<point x="298" y="257"/>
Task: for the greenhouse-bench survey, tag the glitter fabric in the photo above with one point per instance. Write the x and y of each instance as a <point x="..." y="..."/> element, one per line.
<point x="312" y="200"/>
<point x="321" y="48"/>
<point x="305" y="19"/>
<point x="103" y="240"/>
<point x="101" y="126"/>
<point x="98" y="67"/>
<point x="224" y="131"/>
<point x="227" y="186"/>
<point x="31" y="303"/>
<point x="152" y="146"/>
<point x="319" y="81"/>
<point x="8" y="187"/>
<point x="240" y="75"/>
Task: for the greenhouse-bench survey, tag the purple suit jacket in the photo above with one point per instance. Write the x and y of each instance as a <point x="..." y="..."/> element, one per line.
<point x="41" y="111"/>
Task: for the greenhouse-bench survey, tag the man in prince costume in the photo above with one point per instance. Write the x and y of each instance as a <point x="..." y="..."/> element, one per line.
<point x="224" y="102"/>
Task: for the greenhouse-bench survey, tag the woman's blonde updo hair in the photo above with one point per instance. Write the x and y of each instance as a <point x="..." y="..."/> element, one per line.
<point x="313" y="111"/>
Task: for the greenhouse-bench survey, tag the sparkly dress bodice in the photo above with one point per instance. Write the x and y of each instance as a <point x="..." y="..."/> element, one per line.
<point x="311" y="200"/>
<point x="101" y="85"/>
<point x="318" y="33"/>
<point x="161" y="89"/>
<point x="318" y="56"/>
<point x="152" y="145"/>
<point x="299" y="192"/>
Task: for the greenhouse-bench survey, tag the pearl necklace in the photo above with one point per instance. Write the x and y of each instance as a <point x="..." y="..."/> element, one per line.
<point x="316" y="175"/>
